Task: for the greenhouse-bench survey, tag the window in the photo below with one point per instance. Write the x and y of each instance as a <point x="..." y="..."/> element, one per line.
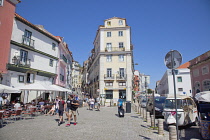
<point x="122" y="94"/>
<point x="109" y="46"/>
<point x="205" y="70"/>
<point x="29" y="77"/>
<point x="120" y="22"/>
<point x="108" y="23"/>
<point x="206" y="85"/>
<point x="62" y="78"/>
<point x="109" y="83"/>
<point x="27" y="38"/>
<point x="122" y="84"/>
<point x="109" y="72"/>
<point x="121" y="45"/>
<point x="121" y="57"/>
<point x="179" y="79"/>
<point x="120" y="33"/>
<point x="21" y="79"/>
<point x="109" y="94"/>
<point x="109" y="34"/>
<point x="180" y="89"/>
<point x="122" y="72"/>
<point x="62" y="74"/>
<point x="23" y="57"/>
<point x="1" y="2"/>
<point x="109" y="58"/>
<point x="51" y="63"/>
<point x="196" y="72"/>
<point x="53" y="46"/>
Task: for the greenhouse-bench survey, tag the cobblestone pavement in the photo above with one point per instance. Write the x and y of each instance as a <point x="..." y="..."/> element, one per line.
<point x="94" y="125"/>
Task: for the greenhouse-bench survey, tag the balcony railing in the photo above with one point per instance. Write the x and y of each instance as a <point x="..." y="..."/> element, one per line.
<point x="114" y="49"/>
<point x="120" y="77"/>
<point x="17" y="61"/>
<point x="108" y="77"/>
<point x="64" y="58"/>
<point x="27" y="41"/>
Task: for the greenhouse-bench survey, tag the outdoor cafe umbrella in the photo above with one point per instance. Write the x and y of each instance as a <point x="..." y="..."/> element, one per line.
<point x="203" y="96"/>
<point x="37" y="87"/>
<point x="7" y="89"/>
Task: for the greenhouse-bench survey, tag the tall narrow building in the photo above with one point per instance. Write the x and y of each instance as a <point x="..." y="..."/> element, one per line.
<point x="110" y="68"/>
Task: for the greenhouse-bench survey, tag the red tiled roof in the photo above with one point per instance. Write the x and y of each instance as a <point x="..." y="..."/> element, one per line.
<point x="185" y="65"/>
<point x="35" y="27"/>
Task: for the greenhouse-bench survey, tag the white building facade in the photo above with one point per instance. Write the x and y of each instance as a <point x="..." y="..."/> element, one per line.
<point x="165" y="86"/>
<point x="33" y="56"/>
<point x="110" y="67"/>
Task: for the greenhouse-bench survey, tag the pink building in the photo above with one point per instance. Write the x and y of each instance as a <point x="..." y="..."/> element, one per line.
<point x="61" y="78"/>
<point x="200" y="73"/>
<point x="7" y="11"/>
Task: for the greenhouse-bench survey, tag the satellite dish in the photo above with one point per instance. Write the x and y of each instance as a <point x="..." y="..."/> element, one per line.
<point x="173" y="59"/>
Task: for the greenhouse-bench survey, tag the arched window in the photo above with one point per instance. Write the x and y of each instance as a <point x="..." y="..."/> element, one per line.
<point x="197" y="87"/>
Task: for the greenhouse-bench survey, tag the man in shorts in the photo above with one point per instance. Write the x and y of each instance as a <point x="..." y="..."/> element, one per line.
<point x="67" y="109"/>
<point x="60" y="110"/>
<point x="72" y="111"/>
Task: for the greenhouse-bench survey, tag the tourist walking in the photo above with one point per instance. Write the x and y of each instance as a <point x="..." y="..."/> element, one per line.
<point x="72" y="112"/>
<point x="92" y="102"/>
<point x="60" y="111"/>
<point x="98" y="101"/>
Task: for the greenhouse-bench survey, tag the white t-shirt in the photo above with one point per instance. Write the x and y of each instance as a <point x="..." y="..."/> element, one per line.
<point x="17" y="105"/>
<point x="92" y="101"/>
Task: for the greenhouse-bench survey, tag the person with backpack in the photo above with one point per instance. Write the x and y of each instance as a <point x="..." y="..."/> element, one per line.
<point x="74" y="104"/>
<point x="120" y="107"/>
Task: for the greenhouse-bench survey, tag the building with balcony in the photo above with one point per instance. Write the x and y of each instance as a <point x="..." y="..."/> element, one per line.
<point x="165" y="86"/>
<point x="7" y="11"/>
<point x="110" y="66"/>
<point x="64" y="68"/>
<point x="34" y="55"/>
<point x="200" y="73"/>
<point x="76" y="78"/>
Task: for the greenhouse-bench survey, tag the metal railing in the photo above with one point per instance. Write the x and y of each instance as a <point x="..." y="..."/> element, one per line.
<point x="108" y="77"/>
<point x="24" y="62"/>
<point x="27" y="41"/>
<point x="121" y="77"/>
<point x="114" y="49"/>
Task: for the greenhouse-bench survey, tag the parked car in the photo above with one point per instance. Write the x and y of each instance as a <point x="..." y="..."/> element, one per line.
<point x="159" y="103"/>
<point x="142" y="101"/>
<point x="186" y="111"/>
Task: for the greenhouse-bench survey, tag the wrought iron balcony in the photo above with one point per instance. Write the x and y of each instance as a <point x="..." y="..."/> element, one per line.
<point x="21" y="62"/>
<point x="114" y="49"/>
<point x="108" y="77"/>
<point x="27" y="41"/>
<point x="121" y="77"/>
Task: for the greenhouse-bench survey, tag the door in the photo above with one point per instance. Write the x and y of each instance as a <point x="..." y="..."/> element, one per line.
<point x="109" y="46"/>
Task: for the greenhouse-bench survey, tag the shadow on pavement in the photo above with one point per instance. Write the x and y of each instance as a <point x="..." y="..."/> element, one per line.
<point x="146" y="138"/>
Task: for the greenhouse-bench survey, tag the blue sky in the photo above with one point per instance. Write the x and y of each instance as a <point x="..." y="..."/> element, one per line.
<point x="157" y="27"/>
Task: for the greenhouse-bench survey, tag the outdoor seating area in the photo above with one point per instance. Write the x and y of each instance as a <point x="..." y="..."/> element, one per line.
<point x="9" y="114"/>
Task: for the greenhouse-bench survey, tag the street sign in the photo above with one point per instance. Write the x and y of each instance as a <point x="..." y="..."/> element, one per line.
<point x="173" y="59"/>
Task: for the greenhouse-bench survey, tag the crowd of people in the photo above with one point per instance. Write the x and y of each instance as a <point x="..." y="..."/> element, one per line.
<point x="93" y="103"/>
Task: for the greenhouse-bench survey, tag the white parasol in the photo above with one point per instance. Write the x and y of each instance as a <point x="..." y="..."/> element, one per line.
<point x="7" y="89"/>
<point x="203" y="96"/>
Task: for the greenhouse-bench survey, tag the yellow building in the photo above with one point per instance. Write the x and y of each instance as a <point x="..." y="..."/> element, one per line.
<point x="110" y="68"/>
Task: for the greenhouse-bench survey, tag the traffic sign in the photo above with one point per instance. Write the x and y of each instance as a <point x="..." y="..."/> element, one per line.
<point x="173" y="59"/>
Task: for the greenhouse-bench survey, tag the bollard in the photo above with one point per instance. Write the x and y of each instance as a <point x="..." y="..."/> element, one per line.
<point x="152" y="121"/>
<point x="160" y="126"/>
<point x="145" y="113"/>
<point x="148" y="117"/>
<point x="172" y="133"/>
